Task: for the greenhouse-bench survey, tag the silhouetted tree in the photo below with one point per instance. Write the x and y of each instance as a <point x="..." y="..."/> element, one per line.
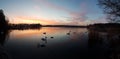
<point x="3" y="35"/>
<point x="3" y="22"/>
<point x="112" y="9"/>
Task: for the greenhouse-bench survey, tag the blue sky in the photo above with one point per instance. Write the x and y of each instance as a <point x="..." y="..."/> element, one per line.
<point x="54" y="12"/>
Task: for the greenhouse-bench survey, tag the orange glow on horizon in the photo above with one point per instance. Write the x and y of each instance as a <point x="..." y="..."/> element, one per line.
<point x="31" y="20"/>
<point x="42" y="21"/>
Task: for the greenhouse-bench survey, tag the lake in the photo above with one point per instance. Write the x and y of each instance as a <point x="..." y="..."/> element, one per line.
<point x="59" y="43"/>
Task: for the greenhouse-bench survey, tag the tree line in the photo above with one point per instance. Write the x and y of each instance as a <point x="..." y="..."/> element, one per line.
<point x="4" y="24"/>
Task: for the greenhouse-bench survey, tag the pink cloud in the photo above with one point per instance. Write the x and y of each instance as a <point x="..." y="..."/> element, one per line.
<point x="53" y="6"/>
<point x="37" y="7"/>
<point x="75" y="17"/>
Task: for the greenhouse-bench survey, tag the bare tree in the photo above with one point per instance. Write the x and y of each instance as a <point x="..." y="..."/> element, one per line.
<point x="112" y="9"/>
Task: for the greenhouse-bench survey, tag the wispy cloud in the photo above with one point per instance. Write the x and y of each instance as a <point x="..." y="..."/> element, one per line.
<point x="101" y="19"/>
<point x="74" y="16"/>
<point x="37" y="7"/>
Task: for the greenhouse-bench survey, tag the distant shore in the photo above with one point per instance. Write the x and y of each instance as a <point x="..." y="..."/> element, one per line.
<point x="64" y="26"/>
<point x="38" y="26"/>
<point x="91" y="26"/>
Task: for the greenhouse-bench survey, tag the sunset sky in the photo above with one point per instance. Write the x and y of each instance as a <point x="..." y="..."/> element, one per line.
<point x="53" y="12"/>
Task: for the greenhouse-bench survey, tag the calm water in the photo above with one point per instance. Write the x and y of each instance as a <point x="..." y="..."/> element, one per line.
<point x="57" y="43"/>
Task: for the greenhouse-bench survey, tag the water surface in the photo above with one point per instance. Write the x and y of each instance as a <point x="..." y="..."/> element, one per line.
<point x="57" y="43"/>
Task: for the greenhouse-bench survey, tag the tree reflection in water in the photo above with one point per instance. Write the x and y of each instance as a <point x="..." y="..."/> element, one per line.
<point x="104" y="44"/>
<point x="4" y="34"/>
